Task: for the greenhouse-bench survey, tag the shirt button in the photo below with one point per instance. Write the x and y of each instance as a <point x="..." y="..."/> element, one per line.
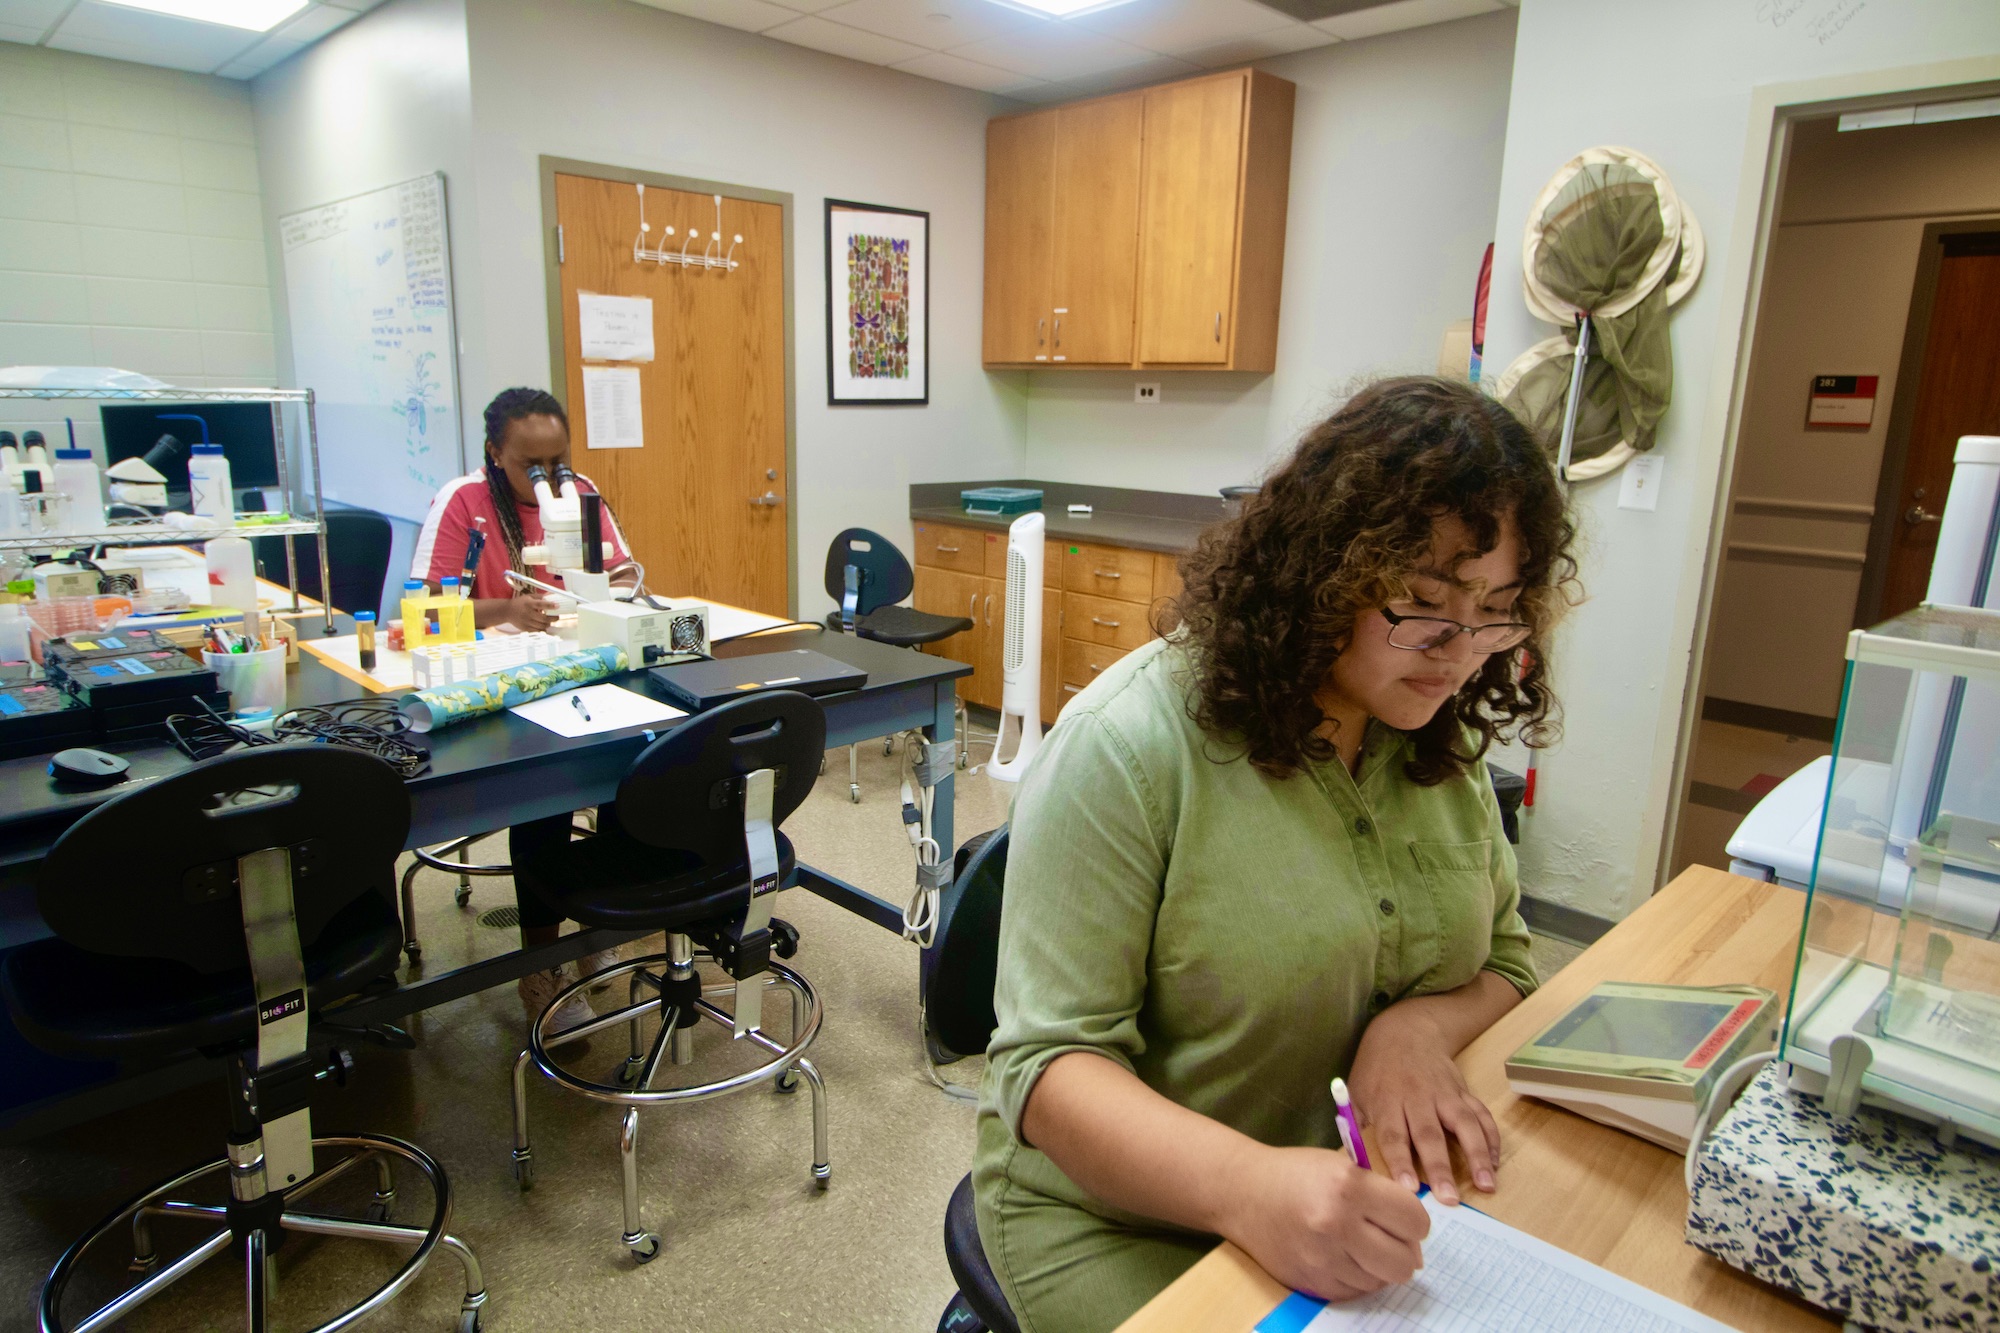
<point x="1363" y="827"/>
<point x="1388" y="908"/>
<point x="1379" y="1000"/>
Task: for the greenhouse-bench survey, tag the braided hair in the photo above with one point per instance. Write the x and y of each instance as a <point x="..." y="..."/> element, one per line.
<point x="508" y="406"/>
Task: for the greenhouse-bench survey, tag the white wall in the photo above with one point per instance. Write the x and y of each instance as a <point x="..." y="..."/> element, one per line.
<point x="130" y="227"/>
<point x="1836" y="300"/>
<point x="627" y="86"/>
<point x="1675" y="82"/>
<point x="1396" y="147"/>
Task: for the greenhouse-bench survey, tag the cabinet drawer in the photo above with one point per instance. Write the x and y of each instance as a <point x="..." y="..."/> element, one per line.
<point x="1084" y="662"/>
<point x="942" y="547"/>
<point x="1052" y="563"/>
<point x="1109" y="571"/>
<point x="1101" y="620"/>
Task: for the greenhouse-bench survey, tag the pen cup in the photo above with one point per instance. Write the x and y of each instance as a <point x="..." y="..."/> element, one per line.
<point x="254" y="680"/>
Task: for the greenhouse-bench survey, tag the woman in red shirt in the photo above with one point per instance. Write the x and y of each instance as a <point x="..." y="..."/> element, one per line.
<point x="524" y="427"/>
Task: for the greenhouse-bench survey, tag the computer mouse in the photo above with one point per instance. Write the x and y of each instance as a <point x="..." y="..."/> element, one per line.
<point x="91" y="768"/>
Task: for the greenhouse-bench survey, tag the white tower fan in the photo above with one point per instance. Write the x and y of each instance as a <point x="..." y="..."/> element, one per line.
<point x="1021" y="650"/>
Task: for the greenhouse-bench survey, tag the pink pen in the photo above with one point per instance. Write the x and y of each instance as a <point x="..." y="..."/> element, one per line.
<point x="1350" y="1127"/>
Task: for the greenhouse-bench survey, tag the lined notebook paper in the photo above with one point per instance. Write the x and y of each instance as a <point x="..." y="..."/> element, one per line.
<point x="1483" y="1276"/>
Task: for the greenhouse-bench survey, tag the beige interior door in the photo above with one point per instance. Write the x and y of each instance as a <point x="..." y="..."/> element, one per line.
<point x="1096" y="239"/>
<point x="702" y="502"/>
<point x="1193" y="159"/>
<point x="1020" y="155"/>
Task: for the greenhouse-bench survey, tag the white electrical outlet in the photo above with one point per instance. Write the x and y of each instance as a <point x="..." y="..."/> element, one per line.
<point x="1146" y="393"/>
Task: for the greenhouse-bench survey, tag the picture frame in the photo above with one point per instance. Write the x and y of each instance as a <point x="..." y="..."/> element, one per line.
<point x="877" y="305"/>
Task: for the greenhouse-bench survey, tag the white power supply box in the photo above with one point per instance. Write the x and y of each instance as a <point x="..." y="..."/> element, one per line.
<point x="649" y="635"/>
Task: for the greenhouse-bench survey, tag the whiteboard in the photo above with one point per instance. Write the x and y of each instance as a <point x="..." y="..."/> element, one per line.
<point x="368" y="286"/>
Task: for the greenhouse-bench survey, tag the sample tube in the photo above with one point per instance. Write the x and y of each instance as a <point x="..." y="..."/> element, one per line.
<point x="364" y="630"/>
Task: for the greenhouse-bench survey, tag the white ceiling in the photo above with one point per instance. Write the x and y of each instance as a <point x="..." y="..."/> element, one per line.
<point x="997" y="48"/>
<point x="100" y="29"/>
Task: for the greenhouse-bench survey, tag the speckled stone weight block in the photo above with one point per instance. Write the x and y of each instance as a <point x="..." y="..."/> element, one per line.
<point x="1868" y="1218"/>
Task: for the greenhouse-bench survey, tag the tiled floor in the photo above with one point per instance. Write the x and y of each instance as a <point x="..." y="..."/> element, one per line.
<point x="749" y="1243"/>
<point x="1731" y="768"/>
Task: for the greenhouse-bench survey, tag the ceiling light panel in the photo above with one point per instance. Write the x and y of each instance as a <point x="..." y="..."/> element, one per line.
<point x="1061" y="9"/>
<point x="249" y="15"/>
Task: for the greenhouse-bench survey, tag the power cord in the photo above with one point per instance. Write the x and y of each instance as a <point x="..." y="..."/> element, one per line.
<point x="1727" y="1084"/>
<point x="374" y="726"/>
<point x="766" y="629"/>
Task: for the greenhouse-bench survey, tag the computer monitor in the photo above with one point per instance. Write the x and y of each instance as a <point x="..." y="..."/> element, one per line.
<point x="242" y="429"/>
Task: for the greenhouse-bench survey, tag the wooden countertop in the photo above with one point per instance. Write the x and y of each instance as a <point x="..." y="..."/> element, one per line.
<point x="1601" y="1194"/>
<point x="1166" y="521"/>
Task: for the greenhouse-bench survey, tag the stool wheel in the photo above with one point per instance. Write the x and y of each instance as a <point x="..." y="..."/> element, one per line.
<point x="414" y="951"/>
<point x="463" y="894"/>
<point x="629" y="1069"/>
<point x="647" y="1249"/>
<point x="524" y="1173"/>
<point x="854" y="793"/>
<point x="471" y="1321"/>
<point x="786" y="1082"/>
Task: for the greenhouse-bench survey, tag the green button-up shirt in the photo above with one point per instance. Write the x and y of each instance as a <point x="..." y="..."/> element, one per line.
<point x="1224" y="935"/>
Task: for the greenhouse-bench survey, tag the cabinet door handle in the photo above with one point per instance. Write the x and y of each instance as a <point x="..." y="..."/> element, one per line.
<point x="1218" y="326"/>
<point x="1059" y="332"/>
<point x="1108" y="574"/>
<point x="972" y="609"/>
<point x="989" y="608"/>
<point x="1040" y="325"/>
<point x="1108" y="624"/>
<point x="947" y="550"/>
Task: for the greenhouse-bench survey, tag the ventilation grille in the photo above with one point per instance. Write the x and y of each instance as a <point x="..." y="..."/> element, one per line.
<point x="1017" y="606"/>
<point x="499" y="917"/>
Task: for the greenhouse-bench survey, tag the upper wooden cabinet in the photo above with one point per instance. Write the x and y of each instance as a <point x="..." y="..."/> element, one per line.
<point x="1141" y="229"/>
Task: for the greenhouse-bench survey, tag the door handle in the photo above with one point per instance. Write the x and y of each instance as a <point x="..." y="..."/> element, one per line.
<point x="768" y="500"/>
<point x="1218" y="326"/>
<point x="1916" y="513"/>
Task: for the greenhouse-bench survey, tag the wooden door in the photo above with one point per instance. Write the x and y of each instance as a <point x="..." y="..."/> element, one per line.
<point x="1096" y="243"/>
<point x="1020" y="160"/>
<point x="702" y="502"/>
<point x="1187" y="262"/>
<point x="1958" y="394"/>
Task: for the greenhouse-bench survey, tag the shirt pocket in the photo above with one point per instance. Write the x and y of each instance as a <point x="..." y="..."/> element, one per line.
<point x="1459" y="879"/>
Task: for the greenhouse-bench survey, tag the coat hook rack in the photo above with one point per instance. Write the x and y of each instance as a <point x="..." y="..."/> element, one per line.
<point x="711" y="255"/>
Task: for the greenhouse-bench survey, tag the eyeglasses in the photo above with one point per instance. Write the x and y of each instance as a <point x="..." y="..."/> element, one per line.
<point x="1422" y="633"/>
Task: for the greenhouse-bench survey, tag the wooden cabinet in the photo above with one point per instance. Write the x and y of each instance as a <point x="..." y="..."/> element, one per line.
<point x="1099" y="602"/>
<point x="1141" y="229"/>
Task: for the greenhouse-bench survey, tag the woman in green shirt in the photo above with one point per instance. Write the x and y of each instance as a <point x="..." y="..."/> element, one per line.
<point x="1263" y="852"/>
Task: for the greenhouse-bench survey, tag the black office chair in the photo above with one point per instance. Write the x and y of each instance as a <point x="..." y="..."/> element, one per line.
<point x="262" y="892"/>
<point x="958" y="1018"/>
<point x="357" y="559"/>
<point x="691" y="847"/>
<point x="869" y="577"/>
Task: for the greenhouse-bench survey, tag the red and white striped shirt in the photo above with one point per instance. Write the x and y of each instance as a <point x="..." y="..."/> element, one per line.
<point x="447" y="529"/>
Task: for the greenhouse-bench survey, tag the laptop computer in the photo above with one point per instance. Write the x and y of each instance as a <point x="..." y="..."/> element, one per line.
<point x="699" y="685"/>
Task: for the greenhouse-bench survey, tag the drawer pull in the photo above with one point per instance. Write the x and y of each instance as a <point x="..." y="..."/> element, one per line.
<point x="948" y="550"/>
<point x="1108" y="574"/>
<point x="1095" y="669"/>
<point x="1072" y="689"/>
<point x="1108" y="624"/>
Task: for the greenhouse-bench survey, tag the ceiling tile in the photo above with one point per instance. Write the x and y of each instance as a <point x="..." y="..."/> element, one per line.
<point x="15" y="32"/>
<point x="358" y="6"/>
<point x="1402" y="14"/>
<point x="809" y="6"/>
<point x="1174" y="26"/>
<point x="837" y="40"/>
<point x="36" y="14"/>
<point x="1053" y="51"/>
<point x="937" y="24"/>
<point x="749" y="15"/>
<point x="264" y="55"/>
<point x="149" y="39"/>
<point x="312" y="23"/>
<point x="964" y="73"/>
<point x="1271" y="42"/>
<point x="245" y="67"/>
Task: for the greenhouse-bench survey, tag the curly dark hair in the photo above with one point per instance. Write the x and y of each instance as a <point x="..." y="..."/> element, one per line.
<point x="1271" y="595"/>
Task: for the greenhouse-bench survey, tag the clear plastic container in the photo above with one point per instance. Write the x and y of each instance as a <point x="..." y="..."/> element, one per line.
<point x="14" y="628"/>
<point x="232" y="573"/>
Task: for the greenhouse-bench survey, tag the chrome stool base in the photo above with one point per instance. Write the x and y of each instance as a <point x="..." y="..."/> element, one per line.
<point x="634" y="1077"/>
<point x="259" y="1263"/>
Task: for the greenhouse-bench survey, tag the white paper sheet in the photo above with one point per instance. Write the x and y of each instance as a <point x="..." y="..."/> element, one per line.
<point x="611" y="414"/>
<point x="611" y="708"/>
<point x="615" y="328"/>
<point x="1483" y="1276"/>
<point x="392" y="669"/>
<point x="728" y="621"/>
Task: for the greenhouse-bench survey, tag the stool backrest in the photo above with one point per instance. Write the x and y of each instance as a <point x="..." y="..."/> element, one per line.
<point x="881" y="576"/>
<point x="685" y="790"/>
<point x="964" y="960"/>
<point x="153" y="873"/>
